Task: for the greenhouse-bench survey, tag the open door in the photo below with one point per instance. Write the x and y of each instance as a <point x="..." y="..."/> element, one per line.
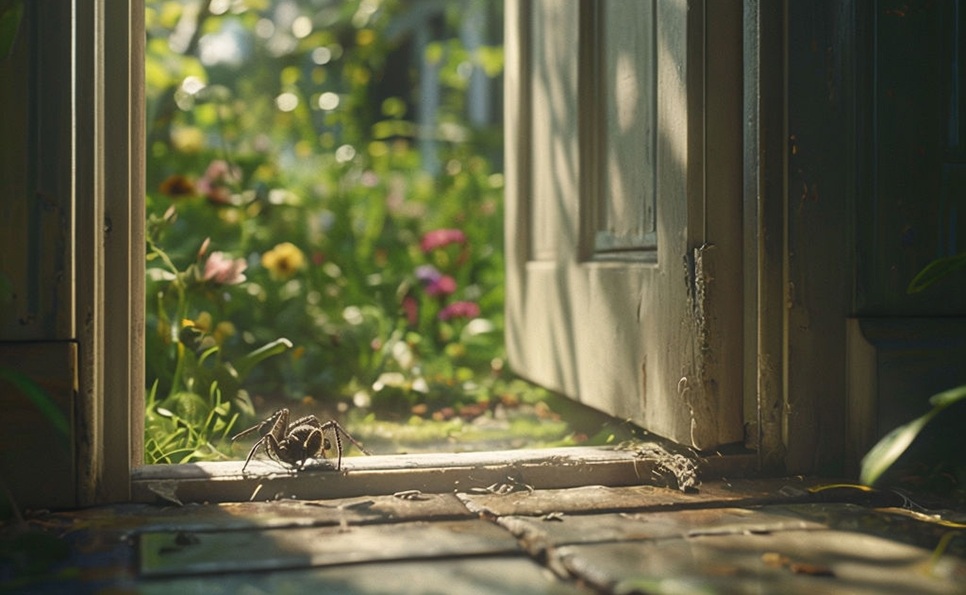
<point x="624" y="280"/>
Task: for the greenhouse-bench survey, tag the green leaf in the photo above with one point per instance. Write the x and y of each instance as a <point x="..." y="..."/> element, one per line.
<point x="888" y="450"/>
<point x="948" y="397"/>
<point x="9" y="25"/>
<point x="249" y="361"/>
<point x="935" y="271"/>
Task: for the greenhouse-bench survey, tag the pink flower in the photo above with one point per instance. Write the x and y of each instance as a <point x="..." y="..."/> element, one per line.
<point x="445" y="285"/>
<point x="435" y="282"/>
<point x="224" y="270"/>
<point x="459" y="310"/>
<point x="441" y="237"/>
<point x="218" y="178"/>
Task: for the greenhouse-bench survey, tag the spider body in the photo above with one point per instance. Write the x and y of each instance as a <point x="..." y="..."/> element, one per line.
<point x="296" y="442"/>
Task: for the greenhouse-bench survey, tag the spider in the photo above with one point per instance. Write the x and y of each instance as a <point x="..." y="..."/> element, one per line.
<point x="297" y="442"/>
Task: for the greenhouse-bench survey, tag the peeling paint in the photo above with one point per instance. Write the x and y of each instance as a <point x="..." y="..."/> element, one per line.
<point x="699" y="392"/>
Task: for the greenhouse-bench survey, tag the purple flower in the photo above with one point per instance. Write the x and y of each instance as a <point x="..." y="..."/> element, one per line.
<point x="441" y="237"/>
<point x="224" y="270"/>
<point x="427" y="274"/>
<point x="459" y="310"/>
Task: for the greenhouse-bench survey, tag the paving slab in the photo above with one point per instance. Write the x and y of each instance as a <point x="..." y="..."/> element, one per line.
<point x="188" y="552"/>
<point x="496" y="575"/>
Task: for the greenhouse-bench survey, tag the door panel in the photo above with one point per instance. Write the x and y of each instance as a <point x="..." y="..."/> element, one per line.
<point x="624" y="272"/>
<point x="627" y="95"/>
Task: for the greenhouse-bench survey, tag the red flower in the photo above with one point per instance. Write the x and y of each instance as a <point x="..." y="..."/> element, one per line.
<point x="411" y="307"/>
<point x="441" y="237"/>
<point x="459" y="310"/>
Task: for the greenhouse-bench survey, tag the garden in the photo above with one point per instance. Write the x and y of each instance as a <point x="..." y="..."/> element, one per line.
<point x="325" y="228"/>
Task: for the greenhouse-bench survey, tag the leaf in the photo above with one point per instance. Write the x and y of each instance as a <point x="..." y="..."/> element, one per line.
<point x="888" y="450"/>
<point x="948" y="397"/>
<point x="935" y="271"/>
<point x="9" y="25"/>
<point x="249" y="361"/>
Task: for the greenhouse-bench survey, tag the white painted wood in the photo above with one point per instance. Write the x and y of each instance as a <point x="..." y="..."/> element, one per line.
<point x="471" y="472"/>
<point x="108" y="187"/>
<point x="600" y="115"/>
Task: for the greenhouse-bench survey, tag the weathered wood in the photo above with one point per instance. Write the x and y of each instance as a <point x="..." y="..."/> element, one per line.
<point x="430" y="473"/>
<point x="276" y="514"/>
<point x="491" y="575"/>
<point x="35" y="179"/>
<point x="619" y="174"/>
<point x="179" y="553"/>
<point x="109" y="289"/>
<point x="642" y="498"/>
<point x="37" y="456"/>
<point x="808" y="561"/>
<point x="538" y="534"/>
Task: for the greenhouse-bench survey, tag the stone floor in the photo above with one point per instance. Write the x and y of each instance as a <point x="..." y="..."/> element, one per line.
<point x="743" y="536"/>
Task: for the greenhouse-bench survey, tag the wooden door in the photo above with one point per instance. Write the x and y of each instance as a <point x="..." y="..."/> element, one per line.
<point x="624" y="275"/>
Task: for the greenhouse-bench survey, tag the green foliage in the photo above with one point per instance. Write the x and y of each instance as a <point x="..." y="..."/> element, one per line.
<point x="883" y="456"/>
<point x="935" y="271"/>
<point x="289" y="194"/>
<point x="887" y="451"/>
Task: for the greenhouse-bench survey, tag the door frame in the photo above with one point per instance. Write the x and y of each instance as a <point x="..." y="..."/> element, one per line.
<point x="108" y="182"/>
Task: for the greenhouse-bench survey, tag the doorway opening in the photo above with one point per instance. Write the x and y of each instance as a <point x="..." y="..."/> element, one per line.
<point x="325" y="229"/>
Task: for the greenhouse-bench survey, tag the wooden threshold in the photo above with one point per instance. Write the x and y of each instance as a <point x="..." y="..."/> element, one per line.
<point x="484" y="472"/>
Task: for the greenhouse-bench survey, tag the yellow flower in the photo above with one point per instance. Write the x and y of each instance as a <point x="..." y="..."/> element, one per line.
<point x="203" y="322"/>
<point x="188" y="139"/>
<point x="283" y="261"/>
<point x="223" y="330"/>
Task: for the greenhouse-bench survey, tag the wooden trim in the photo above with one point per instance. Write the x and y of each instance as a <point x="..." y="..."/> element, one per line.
<point x="89" y="252"/>
<point x="715" y="202"/>
<point x="109" y="206"/>
<point x="429" y="473"/>
<point x="517" y="150"/>
<point x="765" y="189"/>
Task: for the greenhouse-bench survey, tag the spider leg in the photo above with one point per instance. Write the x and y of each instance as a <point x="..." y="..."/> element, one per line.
<point x="260" y="427"/>
<point x="270" y="439"/>
<point x="339" y="433"/>
<point x="251" y="453"/>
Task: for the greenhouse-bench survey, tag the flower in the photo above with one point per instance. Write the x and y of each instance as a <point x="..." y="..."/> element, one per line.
<point x="283" y="261"/>
<point x="177" y="186"/>
<point x="441" y="237"/>
<point x="224" y="270"/>
<point x="445" y="285"/>
<point x="217" y="179"/>
<point x="459" y="310"/>
<point x="188" y="139"/>
<point x="411" y="308"/>
<point x="434" y="281"/>
<point x="427" y="273"/>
